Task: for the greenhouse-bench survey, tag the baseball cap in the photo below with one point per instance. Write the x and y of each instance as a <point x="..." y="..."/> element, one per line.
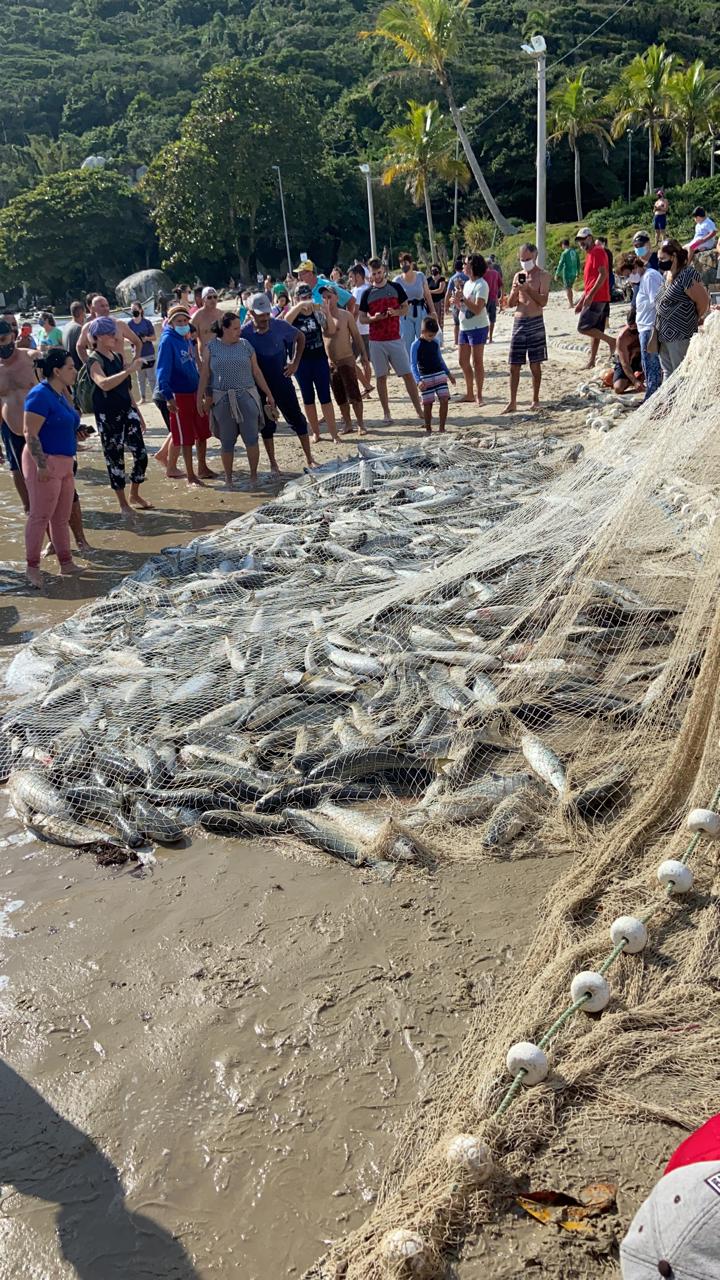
<point x="207" y="291"/>
<point x="675" y="1232"/>
<point x="260" y="304"/>
<point x="102" y="326"/>
<point x="305" y="266"/>
<point x="583" y="233"/>
<point x="641" y="237"/>
<point x="698" y="212"/>
<point x="303" y="291"/>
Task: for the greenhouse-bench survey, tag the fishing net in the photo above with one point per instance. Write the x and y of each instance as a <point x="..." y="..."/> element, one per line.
<point x="450" y="651"/>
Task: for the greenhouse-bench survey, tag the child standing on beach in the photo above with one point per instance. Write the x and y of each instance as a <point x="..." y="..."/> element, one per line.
<point x="431" y="372"/>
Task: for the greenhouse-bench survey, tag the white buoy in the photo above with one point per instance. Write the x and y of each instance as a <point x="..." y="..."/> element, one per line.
<point x="600" y="424"/>
<point x="466" y="1151"/>
<point x="592" y="984"/>
<point x="676" y="876"/>
<point x="630" y="930"/>
<point x="527" y="1057"/>
<point x="705" y="820"/>
<point x="402" y="1245"/>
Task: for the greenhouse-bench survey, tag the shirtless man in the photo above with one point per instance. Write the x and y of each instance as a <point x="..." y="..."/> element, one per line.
<point x="17" y="377"/>
<point x="207" y="315"/>
<point x="341" y="347"/>
<point x="101" y="307"/>
<point x="529" y="295"/>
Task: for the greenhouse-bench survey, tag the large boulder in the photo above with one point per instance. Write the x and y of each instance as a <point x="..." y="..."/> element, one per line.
<point x="142" y="287"/>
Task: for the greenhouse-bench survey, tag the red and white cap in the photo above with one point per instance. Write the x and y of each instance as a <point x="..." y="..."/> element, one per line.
<point x="676" y="1232"/>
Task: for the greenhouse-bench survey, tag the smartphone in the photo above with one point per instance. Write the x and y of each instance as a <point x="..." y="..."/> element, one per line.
<point x="522" y="277"/>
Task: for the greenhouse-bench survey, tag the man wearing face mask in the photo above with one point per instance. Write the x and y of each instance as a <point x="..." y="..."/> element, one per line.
<point x="642" y="247"/>
<point x="529" y="295"/>
<point x="177" y="383"/>
<point x="648" y="285"/>
<point x="594" y="305"/>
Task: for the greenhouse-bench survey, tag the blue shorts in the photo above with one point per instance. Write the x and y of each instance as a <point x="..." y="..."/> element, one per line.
<point x="313" y="375"/>
<point x="660" y="221"/>
<point x="13" y="446"/>
<point x="473" y="337"/>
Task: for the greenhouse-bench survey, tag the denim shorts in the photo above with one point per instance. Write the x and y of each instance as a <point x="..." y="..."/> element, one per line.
<point x="473" y="337"/>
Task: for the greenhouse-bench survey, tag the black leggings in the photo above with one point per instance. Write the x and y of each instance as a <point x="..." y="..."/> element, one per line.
<point x="117" y="433"/>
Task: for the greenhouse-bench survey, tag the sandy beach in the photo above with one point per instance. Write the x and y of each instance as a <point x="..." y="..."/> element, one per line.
<point x="225" y="1046"/>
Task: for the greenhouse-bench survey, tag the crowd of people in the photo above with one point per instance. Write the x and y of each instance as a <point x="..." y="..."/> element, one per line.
<point x="232" y="374"/>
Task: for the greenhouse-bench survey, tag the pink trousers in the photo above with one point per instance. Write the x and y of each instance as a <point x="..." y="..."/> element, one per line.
<point x="50" y="505"/>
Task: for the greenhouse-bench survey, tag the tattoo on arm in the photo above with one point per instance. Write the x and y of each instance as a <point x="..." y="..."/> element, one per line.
<point x="36" y="450"/>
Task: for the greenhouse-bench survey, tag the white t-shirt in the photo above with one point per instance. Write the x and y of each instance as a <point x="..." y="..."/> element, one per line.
<point x="357" y="294"/>
<point x="702" y="229"/>
<point x="648" y="289"/>
<point x="476" y="291"/>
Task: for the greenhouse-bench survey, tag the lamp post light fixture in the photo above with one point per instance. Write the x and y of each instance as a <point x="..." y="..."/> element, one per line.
<point x="365" y="168"/>
<point x="537" y="49"/>
<point x="276" y="167"/>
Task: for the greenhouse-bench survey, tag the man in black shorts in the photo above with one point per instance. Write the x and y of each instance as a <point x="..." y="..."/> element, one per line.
<point x="529" y="295"/>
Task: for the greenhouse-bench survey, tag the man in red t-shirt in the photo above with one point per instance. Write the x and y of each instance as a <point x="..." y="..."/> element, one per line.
<point x="381" y="306"/>
<point x="594" y="305"/>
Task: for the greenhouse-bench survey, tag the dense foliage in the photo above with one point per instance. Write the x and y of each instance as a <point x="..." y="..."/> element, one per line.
<point x="119" y="77"/>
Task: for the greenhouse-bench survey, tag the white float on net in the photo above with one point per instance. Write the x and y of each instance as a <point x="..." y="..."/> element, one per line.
<point x="530" y="1058"/>
<point x="704" y="820"/>
<point x="594" y="986"/>
<point x="675" y="876"/>
<point x="631" y="931"/>
<point x="467" y="1152"/>
<point x="402" y="1245"/>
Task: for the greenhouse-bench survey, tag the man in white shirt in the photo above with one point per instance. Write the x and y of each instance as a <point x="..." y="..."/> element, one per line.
<point x="645" y="305"/>
<point x="704" y="236"/>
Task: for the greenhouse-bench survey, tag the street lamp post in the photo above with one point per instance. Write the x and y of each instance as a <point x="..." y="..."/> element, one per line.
<point x="629" y="138"/>
<point x="537" y="49"/>
<point x="276" y="167"/>
<point x="365" y="168"/>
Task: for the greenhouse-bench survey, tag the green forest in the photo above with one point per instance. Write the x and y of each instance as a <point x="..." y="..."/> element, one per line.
<point x="191" y="105"/>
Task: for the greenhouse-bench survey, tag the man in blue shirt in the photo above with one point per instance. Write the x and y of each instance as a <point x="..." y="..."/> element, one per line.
<point x="273" y="340"/>
<point x="307" y="274"/>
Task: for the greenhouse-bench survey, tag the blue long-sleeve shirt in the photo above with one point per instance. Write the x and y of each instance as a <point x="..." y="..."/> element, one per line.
<point x="176" y="371"/>
<point x="426" y="359"/>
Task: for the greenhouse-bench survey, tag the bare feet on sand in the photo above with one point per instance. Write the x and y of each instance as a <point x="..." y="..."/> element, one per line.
<point x="174" y="475"/>
<point x="510" y="408"/>
<point x="70" y="569"/>
<point x="207" y="474"/>
<point x="141" y="503"/>
<point x="34" y="578"/>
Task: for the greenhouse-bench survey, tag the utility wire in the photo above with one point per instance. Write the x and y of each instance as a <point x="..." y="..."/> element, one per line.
<point x="523" y="88"/>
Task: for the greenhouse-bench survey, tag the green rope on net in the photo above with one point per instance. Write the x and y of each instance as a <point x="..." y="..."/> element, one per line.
<point x="512" y="1092"/>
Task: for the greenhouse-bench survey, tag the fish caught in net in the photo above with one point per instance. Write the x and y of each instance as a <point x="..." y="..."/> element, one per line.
<point x="444" y="652"/>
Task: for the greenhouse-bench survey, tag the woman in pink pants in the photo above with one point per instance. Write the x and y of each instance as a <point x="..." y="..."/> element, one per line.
<point x="51" y="423"/>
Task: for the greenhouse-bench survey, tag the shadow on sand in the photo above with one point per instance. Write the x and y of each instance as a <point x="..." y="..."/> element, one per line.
<point x="43" y="1155"/>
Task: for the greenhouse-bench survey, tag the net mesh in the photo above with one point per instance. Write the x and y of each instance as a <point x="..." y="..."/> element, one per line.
<point x="449" y="651"/>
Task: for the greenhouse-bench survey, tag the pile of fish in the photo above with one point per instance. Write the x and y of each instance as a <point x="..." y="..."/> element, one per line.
<point x="272" y="679"/>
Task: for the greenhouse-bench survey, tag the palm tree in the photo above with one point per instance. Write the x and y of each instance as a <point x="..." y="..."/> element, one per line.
<point x="431" y="34"/>
<point x="575" y="114"/>
<point x="641" y="98"/>
<point x="423" y="149"/>
<point x="692" y="105"/>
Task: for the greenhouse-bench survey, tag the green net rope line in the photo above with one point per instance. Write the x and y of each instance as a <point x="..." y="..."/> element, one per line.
<point x="617" y="950"/>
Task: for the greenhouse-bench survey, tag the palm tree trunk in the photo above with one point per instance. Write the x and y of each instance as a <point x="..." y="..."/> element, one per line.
<point x="578" y="192"/>
<point x="428" y="215"/>
<point x="688" y="156"/>
<point x="506" y="227"/>
<point x="712" y="155"/>
<point x="651" y="157"/>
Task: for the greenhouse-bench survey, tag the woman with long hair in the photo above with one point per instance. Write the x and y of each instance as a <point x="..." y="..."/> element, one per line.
<point x="419" y="299"/>
<point x="471" y="300"/>
<point x="681" y="304"/>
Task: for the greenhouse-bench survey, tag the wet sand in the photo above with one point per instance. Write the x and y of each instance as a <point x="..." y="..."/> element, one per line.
<point x="208" y="1062"/>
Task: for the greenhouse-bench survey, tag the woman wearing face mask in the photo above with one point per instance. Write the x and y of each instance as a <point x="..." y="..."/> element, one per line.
<point x="229" y="378"/>
<point x="50" y="428"/>
<point x="419" y="299"/>
<point x="177" y="383"/>
<point x="118" y="419"/>
<point x="682" y="302"/>
<point x="145" y="330"/>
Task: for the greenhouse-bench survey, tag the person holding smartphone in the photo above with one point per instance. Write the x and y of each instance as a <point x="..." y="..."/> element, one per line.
<point x="529" y="295"/>
<point x="145" y="331"/>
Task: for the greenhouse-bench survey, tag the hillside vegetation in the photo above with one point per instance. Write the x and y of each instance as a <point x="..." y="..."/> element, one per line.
<point x="123" y="78"/>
